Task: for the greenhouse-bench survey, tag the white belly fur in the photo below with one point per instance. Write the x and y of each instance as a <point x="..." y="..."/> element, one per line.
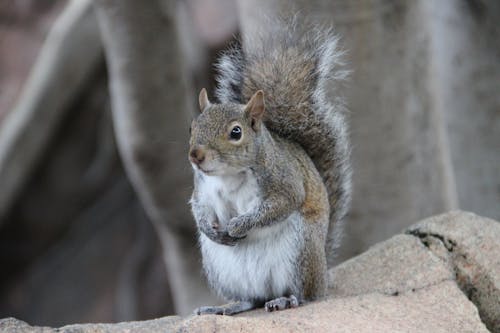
<point x="263" y="265"/>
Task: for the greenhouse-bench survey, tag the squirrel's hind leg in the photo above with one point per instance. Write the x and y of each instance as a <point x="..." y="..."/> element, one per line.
<point x="282" y="303"/>
<point x="227" y="309"/>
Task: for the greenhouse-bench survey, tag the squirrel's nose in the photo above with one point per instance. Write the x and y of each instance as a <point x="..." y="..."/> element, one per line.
<point x="197" y="156"/>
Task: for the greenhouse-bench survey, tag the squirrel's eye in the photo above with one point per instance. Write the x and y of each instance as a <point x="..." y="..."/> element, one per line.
<point x="235" y="133"/>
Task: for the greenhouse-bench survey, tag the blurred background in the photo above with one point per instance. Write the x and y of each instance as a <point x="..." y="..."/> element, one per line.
<point x="95" y="102"/>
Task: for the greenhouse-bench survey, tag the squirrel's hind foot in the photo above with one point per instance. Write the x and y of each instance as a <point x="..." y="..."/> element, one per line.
<point x="227" y="309"/>
<point x="282" y="303"/>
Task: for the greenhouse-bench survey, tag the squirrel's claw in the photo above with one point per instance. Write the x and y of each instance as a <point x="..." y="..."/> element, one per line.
<point x="222" y="237"/>
<point x="214" y="233"/>
<point x="282" y="303"/>
<point x="226" y="239"/>
<point x="237" y="227"/>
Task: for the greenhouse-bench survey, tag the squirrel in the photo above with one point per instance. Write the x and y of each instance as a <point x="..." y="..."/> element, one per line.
<point x="272" y="178"/>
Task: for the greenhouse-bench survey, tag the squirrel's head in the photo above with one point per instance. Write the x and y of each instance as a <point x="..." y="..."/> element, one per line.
<point x="224" y="137"/>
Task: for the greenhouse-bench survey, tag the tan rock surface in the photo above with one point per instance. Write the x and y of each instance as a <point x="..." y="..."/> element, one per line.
<point x="428" y="280"/>
<point x="470" y="244"/>
<point x="399" y="264"/>
<point x="166" y="324"/>
<point x="438" y="308"/>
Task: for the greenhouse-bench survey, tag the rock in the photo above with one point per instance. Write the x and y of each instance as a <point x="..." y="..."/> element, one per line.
<point x="165" y="324"/>
<point x="470" y="244"/>
<point x="399" y="264"/>
<point x="439" y="308"/>
<point x="441" y="276"/>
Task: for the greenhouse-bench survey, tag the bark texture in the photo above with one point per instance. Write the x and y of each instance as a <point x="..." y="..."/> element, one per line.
<point x="69" y="55"/>
<point x="151" y="118"/>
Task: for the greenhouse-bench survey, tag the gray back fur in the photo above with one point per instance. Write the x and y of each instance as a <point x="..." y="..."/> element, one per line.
<point x="299" y="67"/>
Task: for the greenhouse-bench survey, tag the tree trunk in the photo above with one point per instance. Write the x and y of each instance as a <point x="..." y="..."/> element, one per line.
<point x="151" y="117"/>
<point x="71" y="52"/>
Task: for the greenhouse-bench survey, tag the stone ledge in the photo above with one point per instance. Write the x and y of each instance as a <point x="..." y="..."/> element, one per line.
<point x="429" y="279"/>
<point x="470" y="245"/>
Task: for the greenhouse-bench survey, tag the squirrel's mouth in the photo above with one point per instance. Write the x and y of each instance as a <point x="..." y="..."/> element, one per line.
<point x="207" y="172"/>
<point x="198" y="167"/>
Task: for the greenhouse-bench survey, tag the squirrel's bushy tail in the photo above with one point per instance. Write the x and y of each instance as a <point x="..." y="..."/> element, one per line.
<point x="299" y="67"/>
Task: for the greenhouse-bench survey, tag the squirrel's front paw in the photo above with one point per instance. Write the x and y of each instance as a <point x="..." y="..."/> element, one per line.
<point x="219" y="236"/>
<point x="222" y="237"/>
<point x="225" y="239"/>
<point x="238" y="226"/>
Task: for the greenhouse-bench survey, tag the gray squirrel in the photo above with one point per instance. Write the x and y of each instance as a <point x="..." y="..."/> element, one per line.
<point x="272" y="179"/>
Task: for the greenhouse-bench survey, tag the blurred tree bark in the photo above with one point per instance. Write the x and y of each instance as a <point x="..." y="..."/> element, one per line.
<point x="77" y="230"/>
<point x="68" y="57"/>
<point x="150" y="114"/>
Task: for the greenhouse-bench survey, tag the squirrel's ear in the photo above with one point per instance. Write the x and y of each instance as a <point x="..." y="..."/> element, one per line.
<point x="255" y="108"/>
<point x="203" y="100"/>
